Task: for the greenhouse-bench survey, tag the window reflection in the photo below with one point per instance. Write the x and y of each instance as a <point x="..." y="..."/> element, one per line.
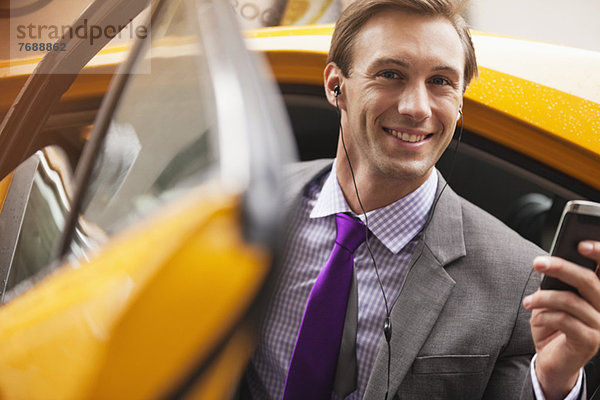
<point x="34" y="213"/>
<point x="162" y="137"/>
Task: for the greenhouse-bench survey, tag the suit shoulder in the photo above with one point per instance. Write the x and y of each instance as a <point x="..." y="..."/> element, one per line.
<point x="484" y="231"/>
<point x="305" y="168"/>
<point x="296" y="176"/>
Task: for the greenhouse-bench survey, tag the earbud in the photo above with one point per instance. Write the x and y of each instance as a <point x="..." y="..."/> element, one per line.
<point x="337" y="91"/>
<point x="460" y="111"/>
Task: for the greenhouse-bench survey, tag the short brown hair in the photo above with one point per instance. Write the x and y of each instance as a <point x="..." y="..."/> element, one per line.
<point x="359" y="12"/>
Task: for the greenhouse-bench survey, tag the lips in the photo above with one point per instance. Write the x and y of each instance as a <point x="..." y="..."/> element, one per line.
<point x="407" y="136"/>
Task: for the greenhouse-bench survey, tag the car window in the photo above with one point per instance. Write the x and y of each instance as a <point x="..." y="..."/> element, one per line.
<point x="39" y="196"/>
<point x="189" y="112"/>
<point x="162" y="136"/>
<point x="158" y="137"/>
<point x="34" y="214"/>
<point x="189" y="106"/>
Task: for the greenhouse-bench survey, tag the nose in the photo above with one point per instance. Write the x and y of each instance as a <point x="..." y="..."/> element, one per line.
<point x="414" y="102"/>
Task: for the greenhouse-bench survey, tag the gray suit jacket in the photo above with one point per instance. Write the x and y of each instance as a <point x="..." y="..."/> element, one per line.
<point x="459" y="330"/>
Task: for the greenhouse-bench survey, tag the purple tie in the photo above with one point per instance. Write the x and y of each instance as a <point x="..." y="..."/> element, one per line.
<point x="314" y="360"/>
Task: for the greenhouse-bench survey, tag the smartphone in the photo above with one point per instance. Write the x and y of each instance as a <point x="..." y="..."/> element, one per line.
<point x="580" y="221"/>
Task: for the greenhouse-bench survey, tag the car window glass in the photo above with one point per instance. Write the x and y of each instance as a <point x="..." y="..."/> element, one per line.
<point x="34" y="213"/>
<point x="162" y="136"/>
<point x="38" y="199"/>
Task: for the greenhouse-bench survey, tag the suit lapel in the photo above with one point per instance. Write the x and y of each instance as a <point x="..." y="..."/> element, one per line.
<point x="423" y="295"/>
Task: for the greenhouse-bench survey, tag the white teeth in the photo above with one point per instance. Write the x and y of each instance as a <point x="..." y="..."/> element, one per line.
<point x="407" y="137"/>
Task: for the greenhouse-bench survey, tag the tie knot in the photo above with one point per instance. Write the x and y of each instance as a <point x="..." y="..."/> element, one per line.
<point x="350" y="231"/>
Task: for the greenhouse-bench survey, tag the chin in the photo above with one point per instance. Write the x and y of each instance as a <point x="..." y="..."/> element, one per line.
<point x="407" y="173"/>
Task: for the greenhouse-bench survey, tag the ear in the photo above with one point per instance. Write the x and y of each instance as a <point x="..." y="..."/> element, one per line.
<point x="333" y="77"/>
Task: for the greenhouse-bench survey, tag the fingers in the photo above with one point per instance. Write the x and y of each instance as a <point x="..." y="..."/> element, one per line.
<point x="580" y="338"/>
<point x="585" y="280"/>
<point x="563" y="307"/>
<point x="590" y="249"/>
<point x="563" y="321"/>
<point x="564" y="325"/>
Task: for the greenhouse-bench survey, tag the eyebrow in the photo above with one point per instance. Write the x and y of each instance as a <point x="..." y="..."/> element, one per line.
<point x="404" y="64"/>
<point x="447" y="68"/>
<point x="389" y="60"/>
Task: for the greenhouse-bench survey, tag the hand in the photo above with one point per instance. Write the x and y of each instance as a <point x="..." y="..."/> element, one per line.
<point x="565" y="326"/>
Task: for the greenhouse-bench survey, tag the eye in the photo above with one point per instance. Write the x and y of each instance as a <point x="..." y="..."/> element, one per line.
<point x="440" y="81"/>
<point x="389" y="75"/>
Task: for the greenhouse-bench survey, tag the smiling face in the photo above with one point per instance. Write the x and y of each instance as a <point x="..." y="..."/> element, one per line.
<point x="401" y="100"/>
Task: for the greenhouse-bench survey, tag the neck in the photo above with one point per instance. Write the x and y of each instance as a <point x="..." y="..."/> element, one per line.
<point x="374" y="188"/>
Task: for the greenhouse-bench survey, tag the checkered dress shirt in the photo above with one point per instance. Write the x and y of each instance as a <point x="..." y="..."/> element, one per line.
<point x="393" y="229"/>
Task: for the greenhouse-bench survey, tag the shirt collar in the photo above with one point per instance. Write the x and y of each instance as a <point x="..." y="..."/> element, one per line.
<point x="395" y="224"/>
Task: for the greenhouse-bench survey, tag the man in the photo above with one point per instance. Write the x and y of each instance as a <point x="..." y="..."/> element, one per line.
<point x="445" y="279"/>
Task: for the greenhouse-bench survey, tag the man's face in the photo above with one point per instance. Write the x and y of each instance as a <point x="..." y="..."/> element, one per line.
<point x="402" y="96"/>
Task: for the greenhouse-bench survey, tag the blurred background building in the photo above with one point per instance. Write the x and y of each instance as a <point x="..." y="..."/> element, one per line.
<point x="572" y="23"/>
